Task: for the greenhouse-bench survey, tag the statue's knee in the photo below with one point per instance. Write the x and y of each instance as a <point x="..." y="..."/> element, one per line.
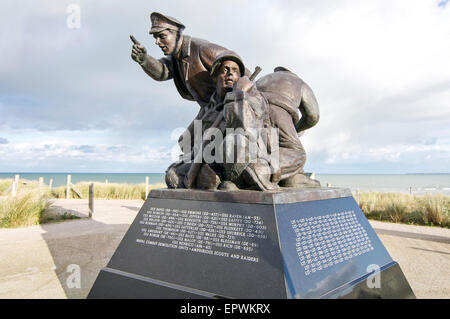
<point x="172" y="178"/>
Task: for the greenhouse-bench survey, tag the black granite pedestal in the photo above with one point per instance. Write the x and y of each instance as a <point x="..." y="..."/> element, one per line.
<point x="312" y="243"/>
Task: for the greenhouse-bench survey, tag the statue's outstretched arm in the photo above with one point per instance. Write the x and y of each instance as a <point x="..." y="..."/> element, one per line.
<point x="158" y="70"/>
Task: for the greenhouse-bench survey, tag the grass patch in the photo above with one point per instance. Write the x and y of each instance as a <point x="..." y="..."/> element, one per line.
<point x="5" y="184"/>
<point x="29" y="206"/>
<point x="108" y="191"/>
<point x="432" y="210"/>
<point x="25" y="209"/>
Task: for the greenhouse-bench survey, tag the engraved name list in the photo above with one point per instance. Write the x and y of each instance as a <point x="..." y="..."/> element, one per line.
<point x="214" y="233"/>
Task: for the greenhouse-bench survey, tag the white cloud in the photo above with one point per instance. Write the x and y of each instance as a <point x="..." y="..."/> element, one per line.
<point x="58" y="152"/>
<point x="379" y="70"/>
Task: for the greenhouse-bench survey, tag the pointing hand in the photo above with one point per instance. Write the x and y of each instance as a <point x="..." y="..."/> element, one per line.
<point x="138" y="52"/>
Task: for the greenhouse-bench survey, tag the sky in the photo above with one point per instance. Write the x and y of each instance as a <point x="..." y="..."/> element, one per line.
<point x="72" y="100"/>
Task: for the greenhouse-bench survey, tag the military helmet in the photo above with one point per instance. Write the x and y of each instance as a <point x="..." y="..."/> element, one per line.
<point x="161" y="22"/>
<point x="227" y="55"/>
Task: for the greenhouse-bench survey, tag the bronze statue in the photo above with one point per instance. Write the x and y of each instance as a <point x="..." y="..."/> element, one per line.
<point x="230" y="144"/>
<point x="236" y="104"/>
<point x="287" y="94"/>
<point x="187" y="60"/>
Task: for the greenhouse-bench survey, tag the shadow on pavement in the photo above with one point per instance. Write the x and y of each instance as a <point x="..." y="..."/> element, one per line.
<point x="432" y="251"/>
<point x="80" y="248"/>
<point x="435" y="238"/>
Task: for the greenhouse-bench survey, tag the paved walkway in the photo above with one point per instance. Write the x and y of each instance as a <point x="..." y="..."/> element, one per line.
<point x="42" y="261"/>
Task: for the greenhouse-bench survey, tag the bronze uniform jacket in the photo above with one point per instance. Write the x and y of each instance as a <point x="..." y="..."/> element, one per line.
<point x="190" y="71"/>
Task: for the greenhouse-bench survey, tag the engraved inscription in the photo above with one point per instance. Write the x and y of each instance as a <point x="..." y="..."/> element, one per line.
<point x="215" y="233"/>
<point x="328" y="240"/>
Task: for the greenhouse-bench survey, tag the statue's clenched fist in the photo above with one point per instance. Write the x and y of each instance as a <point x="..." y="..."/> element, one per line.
<point x="138" y="52"/>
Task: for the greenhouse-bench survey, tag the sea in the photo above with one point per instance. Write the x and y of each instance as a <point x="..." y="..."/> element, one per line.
<point x="404" y="183"/>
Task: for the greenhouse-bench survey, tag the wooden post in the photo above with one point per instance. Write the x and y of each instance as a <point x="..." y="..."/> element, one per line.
<point x="328" y="185"/>
<point x="357" y="196"/>
<point x="13" y="188"/>
<point x="106" y="181"/>
<point x="16" y="186"/>
<point x="76" y="191"/>
<point x="69" y="177"/>
<point x="410" y="190"/>
<point x="41" y="183"/>
<point x="146" y="187"/>
<point x="50" y="184"/>
<point x="91" y="199"/>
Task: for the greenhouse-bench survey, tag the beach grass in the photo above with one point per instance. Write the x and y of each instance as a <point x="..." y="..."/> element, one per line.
<point x="431" y="210"/>
<point x="5" y="184"/>
<point x="107" y="191"/>
<point x="25" y="209"/>
<point x="29" y="206"/>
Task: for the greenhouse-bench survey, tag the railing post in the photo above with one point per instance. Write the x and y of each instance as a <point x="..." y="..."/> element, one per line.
<point x="13" y="188"/>
<point x="15" y="185"/>
<point x="69" y="177"/>
<point x="50" y="184"/>
<point x="146" y="187"/>
<point x="91" y="199"/>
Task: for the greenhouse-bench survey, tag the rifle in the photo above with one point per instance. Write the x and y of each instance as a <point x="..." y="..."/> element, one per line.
<point x="198" y="162"/>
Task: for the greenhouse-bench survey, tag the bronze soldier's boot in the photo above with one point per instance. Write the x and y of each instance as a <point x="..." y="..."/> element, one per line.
<point x="207" y="178"/>
<point x="299" y="181"/>
<point x="228" y="186"/>
<point x="257" y="176"/>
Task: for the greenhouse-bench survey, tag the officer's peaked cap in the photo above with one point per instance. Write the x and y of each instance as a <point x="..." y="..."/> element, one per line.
<point x="162" y="22"/>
